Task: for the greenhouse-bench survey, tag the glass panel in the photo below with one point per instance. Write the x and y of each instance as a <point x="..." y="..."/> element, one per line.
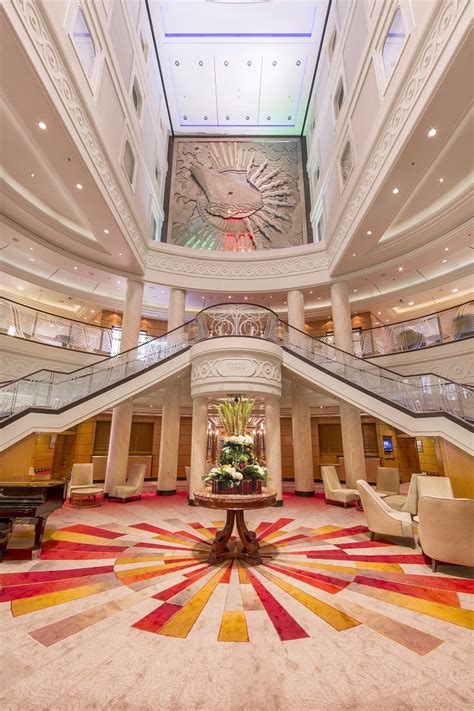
<point x="394" y="42"/>
<point x="83" y="42"/>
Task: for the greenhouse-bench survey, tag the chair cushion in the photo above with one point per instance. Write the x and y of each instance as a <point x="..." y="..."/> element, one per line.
<point x="123" y="491"/>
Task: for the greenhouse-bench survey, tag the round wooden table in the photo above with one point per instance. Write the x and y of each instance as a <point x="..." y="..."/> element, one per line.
<point x="235" y="505"/>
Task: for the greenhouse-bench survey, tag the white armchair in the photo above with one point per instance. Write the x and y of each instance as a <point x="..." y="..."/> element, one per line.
<point x="446" y="530"/>
<point x="388" y="481"/>
<point x="82" y="491"/>
<point x="406" y="502"/>
<point x="132" y="487"/>
<point x="381" y="518"/>
<point x="333" y="491"/>
<point x="435" y="486"/>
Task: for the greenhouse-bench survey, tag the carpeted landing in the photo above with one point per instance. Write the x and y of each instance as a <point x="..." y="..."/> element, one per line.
<point x="123" y="611"/>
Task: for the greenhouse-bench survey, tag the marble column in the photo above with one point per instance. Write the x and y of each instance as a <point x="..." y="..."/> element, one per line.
<point x="198" y="446"/>
<point x="117" y="458"/>
<point x="295" y="302"/>
<point x="302" y="445"/>
<point x="352" y="442"/>
<point x="273" y="445"/>
<point x="170" y="415"/>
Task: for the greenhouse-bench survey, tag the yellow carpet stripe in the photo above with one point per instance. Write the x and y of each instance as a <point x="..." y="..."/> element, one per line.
<point x="233" y="627"/>
<point x="39" y="602"/>
<point x="455" y="615"/>
<point x="243" y="577"/>
<point x="182" y="622"/>
<point x="132" y="572"/>
<point x="79" y="538"/>
<point x="150" y="558"/>
<point x="325" y="529"/>
<point x="337" y="619"/>
<point x="173" y="539"/>
<point x="204" y="532"/>
<point x="386" y="567"/>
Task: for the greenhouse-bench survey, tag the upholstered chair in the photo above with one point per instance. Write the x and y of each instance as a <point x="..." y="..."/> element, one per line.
<point x="132" y="487"/>
<point x="406" y="502"/>
<point x="82" y="477"/>
<point x="446" y="529"/>
<point x="333" y="491"/>
<point x="381" y="518"/>
<point x="435" y="486"/>
<point x="388" y="481"/>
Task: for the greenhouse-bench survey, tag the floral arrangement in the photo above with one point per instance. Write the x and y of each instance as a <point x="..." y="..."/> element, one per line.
<point x="239" y="471"/>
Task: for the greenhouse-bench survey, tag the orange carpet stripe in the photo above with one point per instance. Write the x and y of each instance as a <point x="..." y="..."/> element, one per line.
<point x="40" y="602"/>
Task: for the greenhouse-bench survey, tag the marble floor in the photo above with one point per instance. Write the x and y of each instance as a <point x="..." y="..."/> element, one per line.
<point x="122" y="611"/>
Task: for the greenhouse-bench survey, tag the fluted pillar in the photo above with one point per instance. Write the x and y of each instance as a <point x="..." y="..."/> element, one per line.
<point x="302" y="446"/>
<point x="273" y="445"/>
<point x="295" y="300"/>
<point x="198" y="446"/>
<point x="170" y="415"/>
<point x="351" y="427"/>
<point x="117" y="458"/>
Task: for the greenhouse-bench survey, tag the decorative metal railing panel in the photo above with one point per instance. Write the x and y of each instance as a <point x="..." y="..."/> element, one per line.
<point x="434" y="329"/>
<point x="53" y="390"/>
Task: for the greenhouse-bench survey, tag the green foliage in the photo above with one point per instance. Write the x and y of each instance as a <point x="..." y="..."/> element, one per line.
<point x="234" y="415"/>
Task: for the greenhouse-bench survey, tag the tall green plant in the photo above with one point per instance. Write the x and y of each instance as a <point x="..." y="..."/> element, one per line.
<point x="234" y="415"/>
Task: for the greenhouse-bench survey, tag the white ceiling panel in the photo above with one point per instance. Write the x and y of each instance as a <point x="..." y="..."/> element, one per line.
<point x="238" y="68"/>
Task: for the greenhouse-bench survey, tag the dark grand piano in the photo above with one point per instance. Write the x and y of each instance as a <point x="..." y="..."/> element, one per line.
<point x="31" y="501"/>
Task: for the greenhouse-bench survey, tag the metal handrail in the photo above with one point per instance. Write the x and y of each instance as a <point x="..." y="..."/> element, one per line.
<point x="419" y="394"/>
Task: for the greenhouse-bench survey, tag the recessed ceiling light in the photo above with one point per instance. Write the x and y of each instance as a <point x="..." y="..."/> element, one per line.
<point x="79" y="186"/>
<point x="411" y="303"/>
<point x="32" y="175"/>
<point x="120" y="254"/>
<point x="31" y="259"/>
<point x="245" y="298"/>
<point x="444" y="261"/>
<point x="395" y="191"/>
<point x="400" y="269"/>
<point x="369" y="232"/>
<point x="353" y="254"/>
<point x="455" y="291"/>
<point x="446" y="249"/>
<point x="42" y="125"/>
<point x="379" y="313"/>
<point x="75" y="269"/>
<point x="310" y="292"/>
<point x="20" y="288"/>
<point x="354" y="291"/>
<point x="92" y="311"/>
<point x="271" y="297"/>
<point x="432" y="132"/>
<point x="441" y="180"/>
<point x="386" y="321"/>
<point x="229" y="297"/>
<point x="106" y="232"/>
<point x="118" y="282"/>
<point x="319" y="298"/>
<point x="202" y="297"/>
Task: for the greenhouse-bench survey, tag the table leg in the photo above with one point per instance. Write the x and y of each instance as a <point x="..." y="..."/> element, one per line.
<point x="39" y="530"/>
<point x="219" y="545"/>
<point x="249" y="539"/>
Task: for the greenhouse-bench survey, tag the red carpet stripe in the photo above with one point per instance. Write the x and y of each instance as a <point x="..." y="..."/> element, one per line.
<point x="446" y="597"/>
<point x="75" y="555"/>
<point x="281" y="523"/>
<point x="69" y="545"/>
<point x="157" y="618"/>
<point x="93" y="531"/>
<point x="343" y="532"/>
<point x="151" y="529"/>
<point x="226" y="577"/>
<point x="47" y="575"/>
<point x="340" y="555"/>
<point x="19" y="592"/>
<point x="332" y="584"/>
<point x="160" y="545"/>
<point x="283" y="622"/>
<point x="183" y="584"/>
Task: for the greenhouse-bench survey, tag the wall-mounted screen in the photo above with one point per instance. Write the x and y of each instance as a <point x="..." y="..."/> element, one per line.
<point x="387" y="444"/>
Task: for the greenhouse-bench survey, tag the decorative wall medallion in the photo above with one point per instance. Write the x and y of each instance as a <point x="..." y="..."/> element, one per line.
<point x="232" y="367"/>
<point x="237" y="195"/>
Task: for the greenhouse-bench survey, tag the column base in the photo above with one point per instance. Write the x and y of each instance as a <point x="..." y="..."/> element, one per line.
<point x="304" y="493"/>
<point x="165" y="492"/>
<point x="278" y="503"/>
<point x="191" y="502"/>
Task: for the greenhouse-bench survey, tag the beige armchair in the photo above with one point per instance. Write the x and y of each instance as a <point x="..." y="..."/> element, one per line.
<point x="82" y="491"/>
<point x="132" y="487"/>
<point x="388" y="481"/>
<point x="333" y="491"/>
<point x="406" y="502"/>
<point x="435" y="486"/>
<point x="381" y="518"/>
<point x="446" y="530"/>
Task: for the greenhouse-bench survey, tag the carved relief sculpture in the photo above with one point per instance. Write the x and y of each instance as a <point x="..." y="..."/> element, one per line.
<point x="237" y="195"/>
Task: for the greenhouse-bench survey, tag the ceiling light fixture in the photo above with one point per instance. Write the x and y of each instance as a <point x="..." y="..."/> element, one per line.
<point x="441" y="180"/>
<point x="75" y="269"/>
<point x="120" y="254"/>
<point x="20" y="288"/>
<point x="395" y="191"/>
<point x="400" y="269"/>
<point x="106" y="231"/>
<point x="443" y="261"/>
<point x="432" y="132"/>
<point x="455" y="291"/>
<point x="42" y="125"/>
<point x="31" y="249"/>
<point x="369" y="232"/>
<point x="446" y="249"/>
<point x="353" y="254"/>
<point x="379" y="313"/>
<point x="33" y="175"/>
<point x="354" y="291"/>
<point x="411" y="303"/>
<point x="79" y="186"/>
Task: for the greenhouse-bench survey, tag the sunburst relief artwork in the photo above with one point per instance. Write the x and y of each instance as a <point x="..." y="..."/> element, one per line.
<point x="237" y="195"/>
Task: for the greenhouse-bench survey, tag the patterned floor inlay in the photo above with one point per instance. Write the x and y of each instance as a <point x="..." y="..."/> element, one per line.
<point x="337" y="574"/>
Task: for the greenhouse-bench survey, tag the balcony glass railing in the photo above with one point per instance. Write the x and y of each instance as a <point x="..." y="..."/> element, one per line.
<point x="42" y="327"/>
<point x="420" y="394"/>
<point x="445" y="326"/>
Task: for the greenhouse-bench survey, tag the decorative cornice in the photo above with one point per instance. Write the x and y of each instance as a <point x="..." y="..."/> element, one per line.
<point x="44" y="44"/>
<point x="414" y="84"/>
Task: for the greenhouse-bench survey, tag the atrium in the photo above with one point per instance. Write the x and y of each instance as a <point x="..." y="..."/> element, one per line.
<point x="236" y="365"/>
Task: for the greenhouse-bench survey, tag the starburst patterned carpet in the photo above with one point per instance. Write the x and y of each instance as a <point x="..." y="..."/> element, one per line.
<point x="137" y="576"/>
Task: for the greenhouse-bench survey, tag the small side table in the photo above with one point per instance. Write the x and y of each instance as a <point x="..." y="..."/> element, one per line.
<point x="87" y="497"/>
<point x="235" y="505"/>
